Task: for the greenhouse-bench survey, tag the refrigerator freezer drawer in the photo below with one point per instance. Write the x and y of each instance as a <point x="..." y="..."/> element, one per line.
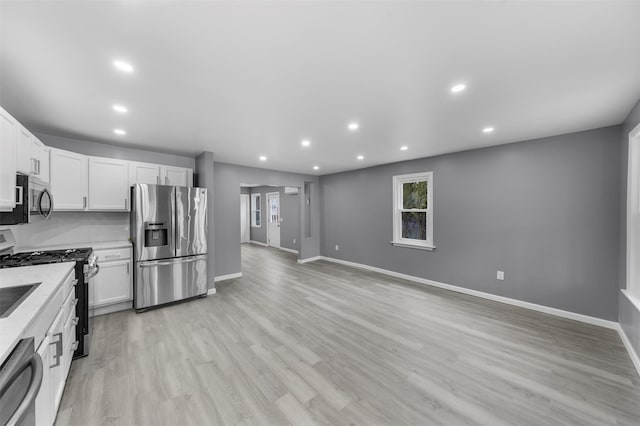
<point x="168" y="280"/>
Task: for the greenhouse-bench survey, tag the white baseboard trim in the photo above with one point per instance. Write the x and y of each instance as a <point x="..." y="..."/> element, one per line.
<point x="627" y="344"/>
<point x="211" y="291"/>
<point x="109" y="309"/>
<point x="535" y="307"/>
<point x="258" y="243"/>
<point x="289" y="250"/>
<point x="228" y="276"/>
<point x="311" y="259"/>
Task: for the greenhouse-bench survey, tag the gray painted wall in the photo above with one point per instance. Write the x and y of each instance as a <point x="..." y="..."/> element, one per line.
<point x="546" y="212"/>
<point x="629" y="315"/>
<point x="203" y="178"/>
<point x="227" y="180"/>
<point x="99" y="149"/>
<point x="289" y="212"/>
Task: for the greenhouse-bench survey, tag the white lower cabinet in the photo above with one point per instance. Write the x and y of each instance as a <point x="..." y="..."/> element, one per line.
<point x="113" y="284"/>
<point x="56" y="351"/>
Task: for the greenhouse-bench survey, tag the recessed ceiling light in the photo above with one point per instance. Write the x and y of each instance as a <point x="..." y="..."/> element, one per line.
<point x="316" y="167"/>
<point x="120" y="108"/>
<point x="353" y="126"/>
<point x="119" y="132"/>
<point x="487" y="130"/>
<point x="404" y="148"/>
<point x="263" y="158"/>
<point x="360" y="157"/>
<point x="305" y="142"/>
<point x="458" y="88"/>
<point x="123" y="66"/>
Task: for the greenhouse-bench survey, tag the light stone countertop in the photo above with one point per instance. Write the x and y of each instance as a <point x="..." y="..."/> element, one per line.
<point x="14" y="327"/>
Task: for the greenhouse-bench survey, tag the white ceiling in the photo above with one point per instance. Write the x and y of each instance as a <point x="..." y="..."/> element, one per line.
<point x="244" y="79"/>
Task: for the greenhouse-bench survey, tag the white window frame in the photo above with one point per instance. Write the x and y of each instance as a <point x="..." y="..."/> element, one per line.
<point x="256" y="206"/>
<point x="398" y="181"/>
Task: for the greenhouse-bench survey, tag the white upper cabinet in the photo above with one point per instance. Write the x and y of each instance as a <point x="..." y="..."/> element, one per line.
<point x="143" y="173"/>
<point x="108" y="184"/>
<point x="39" y="160"/>
<point x="23" y="151"/>
<point x="178" y="176"/>
<point x="8" y="129"/>
<point x="69" y="182"/>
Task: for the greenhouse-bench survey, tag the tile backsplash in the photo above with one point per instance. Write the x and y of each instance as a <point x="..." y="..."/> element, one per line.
<point x="70" y="228"/>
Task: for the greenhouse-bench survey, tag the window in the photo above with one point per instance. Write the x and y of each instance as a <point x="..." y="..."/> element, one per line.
<point x="413" y="210"/>
<point x="255" y="211"/>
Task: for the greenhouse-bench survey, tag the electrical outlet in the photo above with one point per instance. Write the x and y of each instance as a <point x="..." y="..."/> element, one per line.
<point x="337" y="247"/>
<point x="500" y="275"/>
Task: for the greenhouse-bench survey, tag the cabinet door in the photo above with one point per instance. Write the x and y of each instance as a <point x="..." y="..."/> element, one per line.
<point x="144" y="173"/>
<point x="8" y="129"/>
<point x="69" y="183"/>
<point x="37" y="158"/>
<point x="112" y="284"/>
<point x="44" y="165"/>
<point x="177" y="176"/>
<point x="56" y="368"/>
<point x="23" y="151"/>
<point x="43" y="400"/>
<point x="108" y="184"/>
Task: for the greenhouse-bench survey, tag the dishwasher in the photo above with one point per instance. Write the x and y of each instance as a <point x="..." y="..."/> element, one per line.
<point x="20" y="380"/>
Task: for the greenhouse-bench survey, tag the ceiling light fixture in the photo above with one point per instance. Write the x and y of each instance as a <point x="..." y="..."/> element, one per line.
<point x="353" y="126"/>
<point x="404" y="148"/>
<point x="123" y="66"/>
<point x="305" y="142"/>
<point x="458" y="88"/>
<point x="487" y="130"/>
<point x="263" y="158"/>
<point x="360" y="157"/>
<point x="316" y="167"/>
<point x="120" y="108"/>
<point x="119" y="132"/>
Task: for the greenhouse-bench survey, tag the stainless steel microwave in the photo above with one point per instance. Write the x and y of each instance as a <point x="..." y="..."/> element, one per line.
<point x="32" y="198"/>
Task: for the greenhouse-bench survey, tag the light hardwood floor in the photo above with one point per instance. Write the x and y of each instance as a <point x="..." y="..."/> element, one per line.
<point x="322" y="343"/>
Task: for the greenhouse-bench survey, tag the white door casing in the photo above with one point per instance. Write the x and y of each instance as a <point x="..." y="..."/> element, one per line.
<point x="633" y="216"/>
<point x="273" y="222"/>
<point x="244" y="218"/>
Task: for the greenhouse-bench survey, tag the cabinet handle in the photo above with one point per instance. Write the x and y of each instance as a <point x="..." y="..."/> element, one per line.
<point x="58" y="353"/>
<point x="38" y="167"/>
<point x="127" y="268"/>
<point x="112" y="256"/>
<point x="84" y="202"/>
<point x="33" y="165"/>
<point x="158" y="179"/>
<point x="166" y="180"/>
<point x="75" y="321"/>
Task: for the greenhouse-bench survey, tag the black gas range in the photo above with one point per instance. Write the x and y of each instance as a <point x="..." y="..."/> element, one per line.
<point x="86" y="267"/>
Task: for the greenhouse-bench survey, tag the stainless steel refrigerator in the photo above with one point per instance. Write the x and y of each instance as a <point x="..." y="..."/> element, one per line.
<point x="169" y="234"/>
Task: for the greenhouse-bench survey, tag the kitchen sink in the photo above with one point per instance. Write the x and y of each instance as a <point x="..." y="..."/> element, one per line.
<point x="12" y="297"/>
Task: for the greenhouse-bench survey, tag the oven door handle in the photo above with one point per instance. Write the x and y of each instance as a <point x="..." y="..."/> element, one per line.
<point x="35" y="362"/>
<point x="94" y="272"/>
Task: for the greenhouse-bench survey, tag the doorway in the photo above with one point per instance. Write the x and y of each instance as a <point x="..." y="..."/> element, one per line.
<point x="245" y="234"/>
<point x="273" y="224"/>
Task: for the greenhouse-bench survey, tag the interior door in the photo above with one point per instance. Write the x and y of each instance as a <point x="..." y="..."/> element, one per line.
<point x="244" y="218"/>
<point x="273" y="225"/>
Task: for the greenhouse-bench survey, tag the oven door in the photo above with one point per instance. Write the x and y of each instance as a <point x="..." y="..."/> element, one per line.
<point x="40" y="200"/>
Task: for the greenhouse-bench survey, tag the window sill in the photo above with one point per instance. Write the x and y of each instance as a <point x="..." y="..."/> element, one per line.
<point x="413" y="246"/>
